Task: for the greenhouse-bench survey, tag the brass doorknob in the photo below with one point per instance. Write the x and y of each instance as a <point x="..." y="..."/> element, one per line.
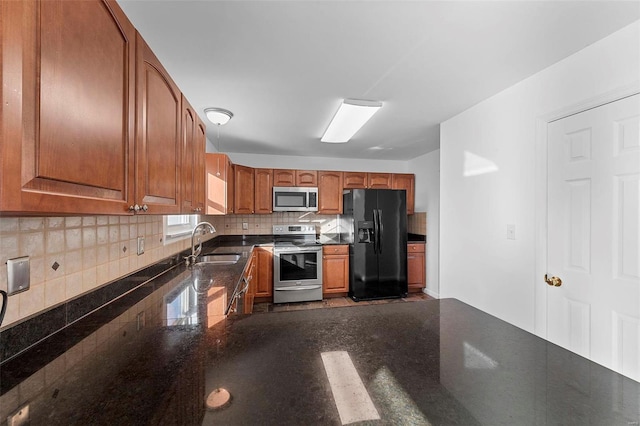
<point x="553" y="281"/>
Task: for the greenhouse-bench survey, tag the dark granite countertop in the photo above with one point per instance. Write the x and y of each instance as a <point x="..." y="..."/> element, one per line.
<point x="153" y="355"/>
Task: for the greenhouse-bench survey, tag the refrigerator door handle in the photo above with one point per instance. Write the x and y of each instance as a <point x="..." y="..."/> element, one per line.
<point x="380" y="231"/>
<point x="375" y="231"/>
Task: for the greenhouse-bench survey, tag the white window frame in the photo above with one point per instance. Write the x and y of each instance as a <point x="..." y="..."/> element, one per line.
<point x="173" y="232"/>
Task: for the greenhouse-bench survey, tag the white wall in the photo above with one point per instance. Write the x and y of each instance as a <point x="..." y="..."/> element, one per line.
<point x="494" y="143"/>
<point x="427" y="171"/>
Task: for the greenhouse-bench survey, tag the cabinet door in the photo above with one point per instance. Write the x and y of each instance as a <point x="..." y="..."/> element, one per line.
<point x="219" y="184"/>
<point x="264" y="271"/>
<point x="330" y="192"/>
<point x="158" y="135"/>
<point x="264" y="191"/>
<point x="306" y="178"/>
<point x="231" y="187"/>
<point x="406" y="182"/>
<point x="335" y="269"/>
<point x="416" y="267"/>
<point x="379" y="180"/>
<point x="188" y="152"/>
<point x="244" y="184"/>
<point x="354" y="180"/>
<point x="284" y="177"/>
<point x="68" y="107"/>
<point x="199" y="165"/>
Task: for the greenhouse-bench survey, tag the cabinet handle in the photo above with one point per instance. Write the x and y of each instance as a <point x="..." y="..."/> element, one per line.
<point x="144" y="208"/>
<point x="135" y="208"/>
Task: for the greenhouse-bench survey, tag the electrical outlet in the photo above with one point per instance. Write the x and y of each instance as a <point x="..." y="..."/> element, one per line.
<point x="511" y="232"/>
<point x="140" y="245"/>
<point x="245" y="225"/>
<point x="18" y="277"/>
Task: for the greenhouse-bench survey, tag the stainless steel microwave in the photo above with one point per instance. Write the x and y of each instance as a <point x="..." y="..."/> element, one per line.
<point x="295" y="199"/>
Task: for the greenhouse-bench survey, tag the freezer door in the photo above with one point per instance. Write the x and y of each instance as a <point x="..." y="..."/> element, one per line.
<point x="392" y="244"/>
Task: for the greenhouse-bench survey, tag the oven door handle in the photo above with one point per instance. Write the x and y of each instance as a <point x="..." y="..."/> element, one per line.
<point x="296" y="288"/>
<point x="298" y="250"/>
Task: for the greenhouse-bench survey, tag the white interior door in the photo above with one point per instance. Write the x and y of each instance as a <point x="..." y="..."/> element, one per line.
<point x="594" y="234"/>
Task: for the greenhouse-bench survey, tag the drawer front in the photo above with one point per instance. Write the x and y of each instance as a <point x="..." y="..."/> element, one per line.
<point x="335" y="249"/>
<point x="415" y="248"/>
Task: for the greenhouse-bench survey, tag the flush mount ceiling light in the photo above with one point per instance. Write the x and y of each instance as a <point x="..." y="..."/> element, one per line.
<point x="218" y="116"/>
<point x="350" y="117"/>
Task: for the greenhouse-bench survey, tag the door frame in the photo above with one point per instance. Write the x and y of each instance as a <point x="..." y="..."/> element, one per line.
<point x="540" y="188"/>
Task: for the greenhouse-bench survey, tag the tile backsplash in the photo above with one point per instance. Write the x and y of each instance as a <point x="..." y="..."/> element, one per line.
<point x="262" y="224"/>
<point x="417" y="223"/>
<point x="70" y="256"/>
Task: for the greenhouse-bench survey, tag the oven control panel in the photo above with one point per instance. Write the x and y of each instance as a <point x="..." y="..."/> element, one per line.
<point x="294" y="229"/>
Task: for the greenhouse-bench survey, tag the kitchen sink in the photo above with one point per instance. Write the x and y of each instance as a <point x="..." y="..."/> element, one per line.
<point x="219" y="258"/>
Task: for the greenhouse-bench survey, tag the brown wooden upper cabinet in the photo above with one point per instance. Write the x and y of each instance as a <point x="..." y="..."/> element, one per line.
<point x="68" y="107"/>
<point x="379" y="180"/>
<point x="289" y="177"/>
<point x="193" y="146"/>
<point x="199" y="165"/>
<point x="406" y="182"/>
<point x="244" y="189"/>
<point x="219" y="184"/>
<point x="355" y="180"/>
<point x="284" y="177"/>
<point x="264" y="191"/>
<point x="306" y="178"/>
<point x="157" y="135"/>
<point x="330" y="186"/>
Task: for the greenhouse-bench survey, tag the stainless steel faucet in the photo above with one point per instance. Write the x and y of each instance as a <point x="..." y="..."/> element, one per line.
<point x="206" y="228"/>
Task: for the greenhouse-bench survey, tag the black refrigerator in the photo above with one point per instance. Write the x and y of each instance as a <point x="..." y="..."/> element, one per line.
<point x="375" y="226"/>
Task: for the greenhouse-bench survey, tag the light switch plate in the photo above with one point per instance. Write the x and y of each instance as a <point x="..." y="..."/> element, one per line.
<point x="18" y="277"/>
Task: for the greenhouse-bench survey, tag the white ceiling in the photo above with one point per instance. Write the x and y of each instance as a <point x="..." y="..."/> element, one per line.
<point x="282" y="67"/>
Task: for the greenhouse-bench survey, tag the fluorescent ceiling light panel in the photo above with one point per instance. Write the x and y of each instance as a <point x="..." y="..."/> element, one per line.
<point x="349" y="118"/>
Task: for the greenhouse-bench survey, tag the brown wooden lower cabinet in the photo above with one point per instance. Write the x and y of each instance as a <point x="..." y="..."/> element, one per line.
<point x="264" y="272"/>
<point x="335" y="269"/>
<point x="416" y="267"/>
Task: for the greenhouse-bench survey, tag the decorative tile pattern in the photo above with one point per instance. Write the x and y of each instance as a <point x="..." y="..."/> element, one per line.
<point x="70" y="256"/>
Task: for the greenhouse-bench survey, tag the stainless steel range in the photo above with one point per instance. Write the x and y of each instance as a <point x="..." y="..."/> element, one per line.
<point x="297" y="264"/>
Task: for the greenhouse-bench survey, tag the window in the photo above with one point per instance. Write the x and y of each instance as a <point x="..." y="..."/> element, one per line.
<point x="178" y="227"/>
